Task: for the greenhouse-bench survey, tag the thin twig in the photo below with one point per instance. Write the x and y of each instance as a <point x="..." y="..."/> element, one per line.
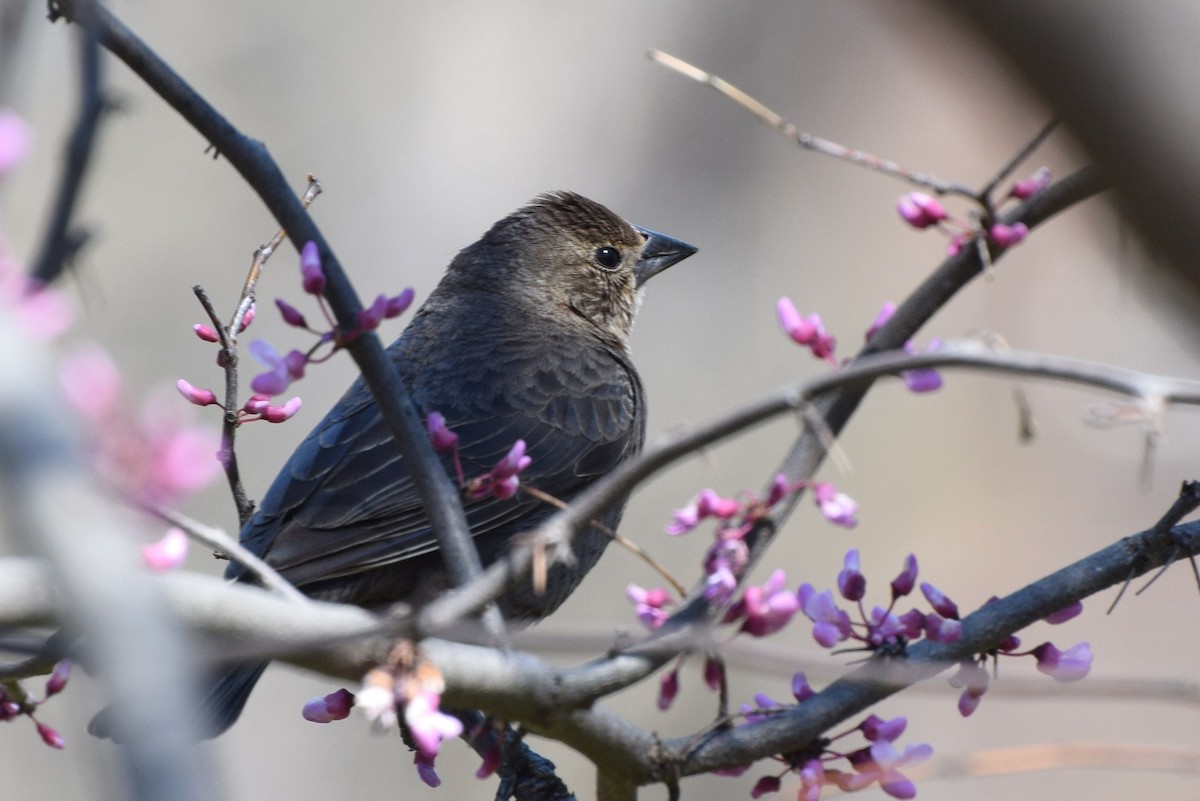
<point x="1018" y="158"/>
<point x="808" y="141"/>
<point x="60" y="243"/>
<point x="228" y="547"/>
<point x="624" y="542"/>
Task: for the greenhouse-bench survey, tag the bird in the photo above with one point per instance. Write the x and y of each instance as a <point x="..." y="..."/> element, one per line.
<point x="525" y="337"/>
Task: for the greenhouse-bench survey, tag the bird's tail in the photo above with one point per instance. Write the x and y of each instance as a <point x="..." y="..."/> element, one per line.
<point x="224" y="696"/>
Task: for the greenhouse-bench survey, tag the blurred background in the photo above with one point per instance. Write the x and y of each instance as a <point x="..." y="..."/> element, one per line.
<point x="427" y="122"/>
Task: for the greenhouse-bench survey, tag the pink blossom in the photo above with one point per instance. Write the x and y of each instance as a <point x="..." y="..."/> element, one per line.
<point x="851" y="583"/>
<point x="328" y="708"/>
<point x="812" y="778"/>
<point x="831" y="625"/>
<point x="885" y="313"/>
<point x="199" y="397"/>
<point x="668" y="688"/>
<point x="427" y="724"/>
<point x="290" y="314"/>
<point x="801" y="690"/>
<point x="768" y="608"/>
<point x="425" y="770"/>
<point x="1064" y="666"/>
<point x="206" y="332"/>
<point x="14" y="140"/>
<point x="920" y="210"/>
<point x="1006" y="236"/>
<point x="278" y="414"/>
<point x="50" y="737"/>
<point x="650" y="605"/>
<point x="903" y="584"/>
<point x="767" y="784"/>
<point x="58" y="678"/>
<point x="1064" y="614"/>
<point x="281" y="370"/>
<point x="182" y="461"/>
<point x="311" y="273"/>
<point x="442" y="438"/>
<point x="167" y="553"/>
<point x="1028" y="187"/>
<point x="90" y="381"/>
<point x="940" y="602"/>
<point x="837" y="507"/>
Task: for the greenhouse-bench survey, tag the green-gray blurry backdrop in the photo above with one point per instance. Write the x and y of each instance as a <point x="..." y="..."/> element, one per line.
<point x="428" y="121"/>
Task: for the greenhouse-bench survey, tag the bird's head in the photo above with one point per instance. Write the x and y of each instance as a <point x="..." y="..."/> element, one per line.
<point x="571" y="258"/>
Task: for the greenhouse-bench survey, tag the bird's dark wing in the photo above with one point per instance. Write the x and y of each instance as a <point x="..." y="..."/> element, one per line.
<point x="345" y="502"/>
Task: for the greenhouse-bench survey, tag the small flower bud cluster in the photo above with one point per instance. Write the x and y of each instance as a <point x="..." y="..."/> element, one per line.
<point x="1066" y="666"/>
<point x="923" y="211"/>
<point x="282" y="370"/>
<point x="414" y="688"/>
<point x="878" y="762"/>
<point x="15" y="703"/>
<point x="929" y="380"/>
<point x="502" y="481"/>
<point x="808" y="331"/>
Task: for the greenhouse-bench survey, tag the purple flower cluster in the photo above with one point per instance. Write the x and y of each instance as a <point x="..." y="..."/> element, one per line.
<point x="16" y="703"/>
<point x="923" y="211"/>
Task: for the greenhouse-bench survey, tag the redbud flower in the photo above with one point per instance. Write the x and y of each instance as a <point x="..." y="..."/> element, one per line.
<point x="58" y="678"/>
<point x="311" y="273"/>
<point x="801" y="689"/>
<point x="206" y="332"/>
<point x="427" y="724"/>
<point x="491" y="762"/>
<point x="812" y="778"/>
<point x="328" y="708"/>
<point x="1027" y="187"/>
<point x="399" y="304"/>
<point x="830" y="624"/>
<point x="90" y="380"/>
<point x="649" y="604"/>
<point x="809" y="331"/>
<point x="278" y="414"/>
<point x="885" y="313"/>
<point x="875" y="728"/>
<point x="1005" y="236"/>
<point x="684" y="520"/>
<point x="370" y="317"/>
<point x="974" y="680"/>
<point x="1064" y="614"/>
<point x="940" y="602"/>
<point x="14" y="140"/>
<point x="714" y="673"/>
<point x="167" y="553"/>
<point x="281" y="370"/>
<point x="768" y="608"/>
<point x="200" y="397"/>
<point x="442" y="438"/>
<point x="711" y="504"/>
<point x="837" y="507"/>
<point x="903" y="584"/>
<point x="767" y="784"/>
<point x="426" y="771"/>
<point x="247" y="318"/>
<point x="291" y="315"/>
<point x="668" y="689"/>
<point x="920" y="210"/>
<point x="1064" y="666"/>
<point x="50" y="737"/>
<point x="851" y="582"/>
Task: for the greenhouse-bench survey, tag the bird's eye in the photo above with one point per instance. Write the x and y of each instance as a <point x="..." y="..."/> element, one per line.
<point x="608" y="257"/>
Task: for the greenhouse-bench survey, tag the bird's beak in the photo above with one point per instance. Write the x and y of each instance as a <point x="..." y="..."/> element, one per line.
<point x="659" y="253"/>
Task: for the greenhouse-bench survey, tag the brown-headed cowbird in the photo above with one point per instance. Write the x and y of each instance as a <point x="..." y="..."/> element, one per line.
<point x="526" y="337"/>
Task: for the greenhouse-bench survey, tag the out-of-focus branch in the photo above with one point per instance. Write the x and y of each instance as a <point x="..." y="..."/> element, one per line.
<point x="252" y="161"/>
<point x="131" y="641"/>
<point x="60" y="242"/>
<point x="1120" y="74"/>
<point x="558" y="702"/>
